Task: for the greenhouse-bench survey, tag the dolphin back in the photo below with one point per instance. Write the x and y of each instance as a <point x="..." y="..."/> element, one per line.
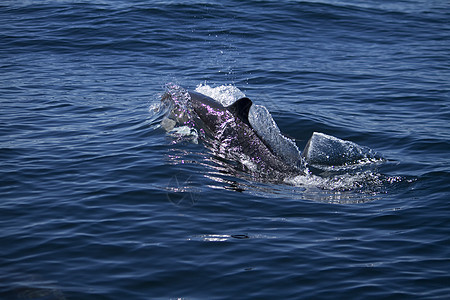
<point x="241" y="108"/>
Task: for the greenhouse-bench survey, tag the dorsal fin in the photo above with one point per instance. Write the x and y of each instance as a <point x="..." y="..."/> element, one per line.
<point x="240" y="109"/>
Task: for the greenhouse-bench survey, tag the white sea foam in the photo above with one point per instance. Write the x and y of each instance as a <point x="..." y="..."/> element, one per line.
<point x="225" y="94"/>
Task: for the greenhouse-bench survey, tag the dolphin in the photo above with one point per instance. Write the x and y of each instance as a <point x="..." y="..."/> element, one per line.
<point x="233" y="134"/>
<point x="228" y="133"/>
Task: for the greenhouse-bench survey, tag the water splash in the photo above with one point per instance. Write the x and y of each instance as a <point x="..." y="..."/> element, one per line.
<point x="326" y="151"/>
<point x="225" y="94"/>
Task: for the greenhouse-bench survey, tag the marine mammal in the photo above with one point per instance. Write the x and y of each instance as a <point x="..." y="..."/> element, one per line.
<point x="228" y="133"/>
<point x="245" y="135"/>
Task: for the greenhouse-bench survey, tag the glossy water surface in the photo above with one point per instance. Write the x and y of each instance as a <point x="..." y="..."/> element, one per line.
<point x="99" y="202"/>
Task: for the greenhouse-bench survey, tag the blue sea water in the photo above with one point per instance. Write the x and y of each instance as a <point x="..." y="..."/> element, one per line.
<point x="97" y="201"/>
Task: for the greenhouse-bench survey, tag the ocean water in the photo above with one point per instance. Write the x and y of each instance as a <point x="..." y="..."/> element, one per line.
<point x="98" y="201"/>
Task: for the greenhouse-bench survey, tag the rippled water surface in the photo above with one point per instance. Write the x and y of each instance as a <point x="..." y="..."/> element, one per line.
<point x="98" y="201"/>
